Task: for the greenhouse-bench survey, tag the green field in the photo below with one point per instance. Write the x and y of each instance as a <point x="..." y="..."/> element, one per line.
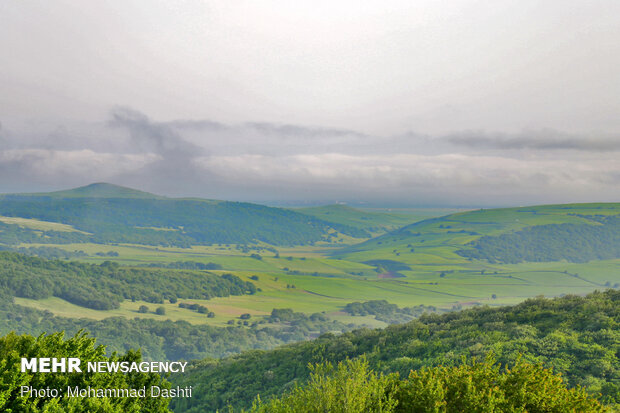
<point x="418" y="258"/>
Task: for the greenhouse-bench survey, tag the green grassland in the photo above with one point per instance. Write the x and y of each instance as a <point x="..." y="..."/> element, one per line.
<point x="325" y="276"/>
<point x="376" y="221"/>
<point x="38" y="225"/>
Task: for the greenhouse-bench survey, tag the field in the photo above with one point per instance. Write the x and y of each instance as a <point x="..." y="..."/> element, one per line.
<point x="413" y="257"/>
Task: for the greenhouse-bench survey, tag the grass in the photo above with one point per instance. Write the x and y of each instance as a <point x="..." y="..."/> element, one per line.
<point x="39" y="225"/>
<point x="326" y="278"/>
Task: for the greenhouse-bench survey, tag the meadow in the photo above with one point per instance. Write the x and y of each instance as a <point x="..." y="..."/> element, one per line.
<point x="411" y="257"/>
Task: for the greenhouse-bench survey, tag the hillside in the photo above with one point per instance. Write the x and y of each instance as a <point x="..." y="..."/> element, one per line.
<point x="536" y="234"/>
<point x="576" y="336"/>
<point x="102" y="190"/>
<point x="486" y="257"/>
<point x="374" y="222"/>
<point x="103" y="287"/>
<point x="112" y="214"/>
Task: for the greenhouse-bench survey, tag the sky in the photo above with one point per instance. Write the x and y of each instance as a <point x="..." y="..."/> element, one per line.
<point x="425" y="103"/>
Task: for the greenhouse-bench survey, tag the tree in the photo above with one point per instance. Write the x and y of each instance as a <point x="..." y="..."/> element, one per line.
<point x="13" y="347"/>
<point x="143" y="309"/>
<point x="160" y="311"/>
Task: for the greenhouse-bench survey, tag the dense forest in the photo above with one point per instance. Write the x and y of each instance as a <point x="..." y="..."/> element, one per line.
<point x="162" y="221"/>
<point x="351" y="386"/>
<point x="473" y="387"/>
<point x="579" y="337"/>
<point x="388" y="313"/>
<point x="555" y="242"/>
<point x="104" y="286"/>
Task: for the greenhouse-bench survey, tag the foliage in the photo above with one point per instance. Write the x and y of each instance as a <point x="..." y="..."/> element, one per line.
<point x="165" y="339"/>
<point x="110" y="219"/>
<point x="350" y="388"/>
<point x="579" y="337"/>
<point x="46" y="252"/>
<point x="384" y="311"/>
<point x="476" y="387"/>
<point x="555" y="242"/>
<point x="187" y="265"/>
<point x="103" y="287"/>
<point x="13" y="347"/>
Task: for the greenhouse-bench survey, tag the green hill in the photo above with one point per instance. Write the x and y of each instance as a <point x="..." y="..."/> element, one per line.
<point x="578" y="337"/>
<point x="113" y="214"/>
<point x="571" y="232"/>
<point x="102" y="190"/>
<point x="375" y="222"/>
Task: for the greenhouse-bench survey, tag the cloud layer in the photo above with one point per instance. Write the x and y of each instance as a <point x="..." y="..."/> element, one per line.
<point x="269" y="162"/>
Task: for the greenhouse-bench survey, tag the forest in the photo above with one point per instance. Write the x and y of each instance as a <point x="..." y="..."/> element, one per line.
<point x="163" y="221"/>
<point x="163" y="339"/>
<point x="104" y="286"/>
<point x="577" y="337"/>
<point x="555" y="242"/>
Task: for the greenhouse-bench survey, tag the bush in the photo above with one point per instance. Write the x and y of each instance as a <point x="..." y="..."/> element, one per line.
<point x="160" y="311"/>
<point x="472" y="387"/>
<point x="350" y="388"/>
<point x="143" y="309"/>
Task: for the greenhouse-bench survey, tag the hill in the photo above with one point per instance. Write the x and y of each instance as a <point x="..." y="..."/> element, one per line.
<point x="576" y="336"/>
<point x="571" y="232"/>
<point x="112" y="214"/>
<point x="102" y="190"/>
<point x="374" y="222"/>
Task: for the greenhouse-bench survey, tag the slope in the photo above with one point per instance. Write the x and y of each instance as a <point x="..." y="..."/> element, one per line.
<point x="115" y="214"/>
<point x="374" y="222"/>
<point x="579" y="337"/>
<point x="459" y="238"/>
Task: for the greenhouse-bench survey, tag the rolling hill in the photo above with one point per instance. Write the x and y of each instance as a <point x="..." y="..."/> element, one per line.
<point x="113" y="214"/>
<point x="571" y="232"/>
<point x="373" y="222"/>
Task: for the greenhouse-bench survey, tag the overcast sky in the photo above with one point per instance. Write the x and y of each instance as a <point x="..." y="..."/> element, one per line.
<point x="457" y="102"/>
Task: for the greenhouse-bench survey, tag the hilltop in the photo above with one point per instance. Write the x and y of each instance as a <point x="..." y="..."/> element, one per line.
<point x="101" y="190"/>
<point x="115" y="214"/>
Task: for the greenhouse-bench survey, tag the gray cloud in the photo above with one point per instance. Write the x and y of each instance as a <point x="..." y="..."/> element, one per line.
<point x="271" y="162"/>
<point x="161" y="138"/>
<point x="297" y="131"/>
<point x="535" y="140"/>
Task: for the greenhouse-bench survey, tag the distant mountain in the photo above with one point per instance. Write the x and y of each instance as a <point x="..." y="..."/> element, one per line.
<point x="114" y="214"/>
<point x="103" y="190"/>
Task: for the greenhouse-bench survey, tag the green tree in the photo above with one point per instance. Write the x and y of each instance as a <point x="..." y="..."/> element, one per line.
<point x="349" y="388"/>
<point x="13" y="347"/>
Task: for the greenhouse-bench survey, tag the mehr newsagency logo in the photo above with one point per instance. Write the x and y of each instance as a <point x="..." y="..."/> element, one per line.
<point x="75" y="365"/>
